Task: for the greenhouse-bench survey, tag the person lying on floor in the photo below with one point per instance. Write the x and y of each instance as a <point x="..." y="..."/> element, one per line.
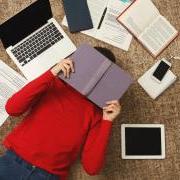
<point x="60" y="124"/>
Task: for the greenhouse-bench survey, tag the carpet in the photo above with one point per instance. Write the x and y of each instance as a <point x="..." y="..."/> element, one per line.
<point x="137" y="106"/>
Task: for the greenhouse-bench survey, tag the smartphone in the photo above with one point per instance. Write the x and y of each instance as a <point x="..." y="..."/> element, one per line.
<point x="161" y="70"/>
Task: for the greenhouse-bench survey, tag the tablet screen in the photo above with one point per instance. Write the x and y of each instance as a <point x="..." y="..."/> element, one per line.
<point x="142" y="141"/>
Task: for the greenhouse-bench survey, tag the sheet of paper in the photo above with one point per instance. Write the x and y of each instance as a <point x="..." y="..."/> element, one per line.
<point x="111" y="31"/>
<point x="139" y="16"/>
<point x="10" y="82"/>
<point x="96" y="8"/>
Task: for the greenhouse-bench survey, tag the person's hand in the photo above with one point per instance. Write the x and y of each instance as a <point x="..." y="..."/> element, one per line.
<point x="112" y="110"/>
<point x="65" y="65"/>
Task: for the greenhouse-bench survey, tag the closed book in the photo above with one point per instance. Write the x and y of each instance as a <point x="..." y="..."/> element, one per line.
<point x="78" y="15"/>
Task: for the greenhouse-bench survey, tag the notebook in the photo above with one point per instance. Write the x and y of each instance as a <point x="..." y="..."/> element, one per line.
<point x="146" y="23"/>
<point x="153" y="88"/>
<point x="105" y="26"/>
<point x="96" y="77"/>
<point x="78" y="15"/>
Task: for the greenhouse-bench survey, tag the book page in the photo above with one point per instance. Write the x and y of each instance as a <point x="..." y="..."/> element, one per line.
<point x="111" y="31"/>
<point x="139" y="16"/>
<point x="158" y="35"/>
<point x="10" y="82"/>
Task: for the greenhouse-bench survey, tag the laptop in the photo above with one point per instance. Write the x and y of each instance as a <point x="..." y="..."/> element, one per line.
<point x="34" y="40"/>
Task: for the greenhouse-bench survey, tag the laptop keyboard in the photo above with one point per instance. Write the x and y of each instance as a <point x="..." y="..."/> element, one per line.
<point x="37" y="43"/>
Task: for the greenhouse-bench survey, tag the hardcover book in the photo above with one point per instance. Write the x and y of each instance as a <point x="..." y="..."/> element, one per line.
<point x="145" y="22"/>
<point x="96" y="77"/>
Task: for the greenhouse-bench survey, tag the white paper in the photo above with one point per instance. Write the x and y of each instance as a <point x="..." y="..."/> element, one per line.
<point x="139" y="16"/>
<point x="111" y="31"/>
<point x="145" y="21"/>
<point x="10" y="82"/>
<point x="158" y="35"/>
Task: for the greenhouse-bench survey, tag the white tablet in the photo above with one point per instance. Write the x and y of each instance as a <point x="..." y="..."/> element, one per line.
<point x="143" y="141"/>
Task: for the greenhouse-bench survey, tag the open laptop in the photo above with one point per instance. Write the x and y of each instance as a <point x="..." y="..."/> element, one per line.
<point x="34" y="40"/>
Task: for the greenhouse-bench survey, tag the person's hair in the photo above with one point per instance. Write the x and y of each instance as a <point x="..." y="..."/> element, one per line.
<point x="106" y="52"/>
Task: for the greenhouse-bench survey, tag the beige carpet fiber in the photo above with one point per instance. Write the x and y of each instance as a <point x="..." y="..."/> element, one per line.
<point x="138" y="107"/>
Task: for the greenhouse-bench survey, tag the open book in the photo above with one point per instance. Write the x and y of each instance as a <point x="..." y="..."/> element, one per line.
<point x="106" y="27"/>
<point x="96" y="77"/>
<point x="10" y="82"/>
<point x="153" y="30"/>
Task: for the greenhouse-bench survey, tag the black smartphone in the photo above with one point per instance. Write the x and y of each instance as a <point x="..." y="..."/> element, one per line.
<point x="161" y="70"/>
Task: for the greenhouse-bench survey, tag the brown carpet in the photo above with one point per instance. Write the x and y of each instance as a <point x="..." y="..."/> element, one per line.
<point x="137" y="106"/>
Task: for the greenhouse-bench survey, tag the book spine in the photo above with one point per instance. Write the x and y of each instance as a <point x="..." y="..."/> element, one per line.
<point x="96" y="77"/>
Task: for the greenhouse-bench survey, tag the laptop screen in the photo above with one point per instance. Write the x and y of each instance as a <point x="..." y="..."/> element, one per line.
<point x="143" y="141"/>
<point x="24" y="23"/>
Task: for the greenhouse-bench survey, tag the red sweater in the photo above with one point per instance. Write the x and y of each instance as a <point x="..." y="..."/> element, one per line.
<point x="61" y="123"/>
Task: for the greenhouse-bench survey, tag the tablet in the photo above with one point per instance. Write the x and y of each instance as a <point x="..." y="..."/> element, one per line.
<point x="143" y="141"/>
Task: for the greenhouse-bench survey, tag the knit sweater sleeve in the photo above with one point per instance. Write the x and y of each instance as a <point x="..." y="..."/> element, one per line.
<point x="94" y="150"/>
<point x="22" y="100"/>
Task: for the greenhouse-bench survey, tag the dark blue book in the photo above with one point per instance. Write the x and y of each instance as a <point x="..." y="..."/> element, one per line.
<point x="78" y="15"/>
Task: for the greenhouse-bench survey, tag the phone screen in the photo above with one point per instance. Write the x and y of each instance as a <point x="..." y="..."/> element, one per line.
<point x="161" y="70"/>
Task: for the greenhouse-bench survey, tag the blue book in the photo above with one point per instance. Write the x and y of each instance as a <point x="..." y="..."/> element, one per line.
<point x="78" y="15"/>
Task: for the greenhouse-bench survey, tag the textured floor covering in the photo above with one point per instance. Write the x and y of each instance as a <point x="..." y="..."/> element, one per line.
<point x="137" y="106"/>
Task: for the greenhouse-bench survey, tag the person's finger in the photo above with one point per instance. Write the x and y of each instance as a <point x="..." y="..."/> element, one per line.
<point x="113" y="101"/>
<point x="111" y="105"/>
<point x="109" y="108"/>
<point x="71" y="63"/>
<point x="64" y="71"/>
<point x="68" y="59"/>
<point x="116" y="105"/>
<point x="68" y="69"/>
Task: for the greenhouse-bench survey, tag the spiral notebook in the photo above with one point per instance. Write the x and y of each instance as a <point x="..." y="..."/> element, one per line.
<point x="96" y="77"/>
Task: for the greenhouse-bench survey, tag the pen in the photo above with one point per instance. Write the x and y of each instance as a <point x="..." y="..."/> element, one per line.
<point x="102" y="18"/>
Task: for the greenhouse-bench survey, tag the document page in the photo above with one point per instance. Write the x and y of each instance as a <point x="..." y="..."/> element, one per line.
<point x="139" y="16"/>
<point x="158" y="35"/>
<point x="111" y="31"/>
<point x="96" y="8"/>
<point x="10" y="82"/>
<point x="106" y="28"/>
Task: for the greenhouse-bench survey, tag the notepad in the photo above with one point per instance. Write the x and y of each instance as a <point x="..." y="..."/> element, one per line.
<point x="146" y="23"/>
<point x="96" y="77"/>
<point x="152" y="87"/>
